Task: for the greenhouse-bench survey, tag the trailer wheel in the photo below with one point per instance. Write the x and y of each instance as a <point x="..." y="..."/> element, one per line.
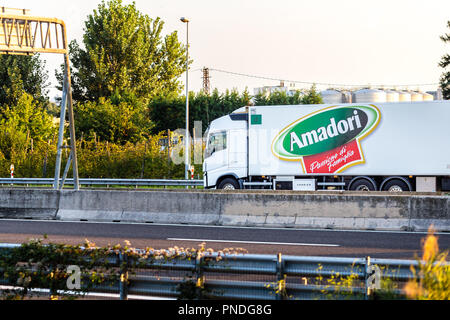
<point x="362" y="185"/>
<point x="396" y="185"/>
<point x="228" y="184"/>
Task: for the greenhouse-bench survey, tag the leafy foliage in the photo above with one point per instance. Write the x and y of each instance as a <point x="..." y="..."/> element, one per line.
<point x="101" y="159"/>
<point x="445" y="64"/>
<point x="29" y="118"/>
<point x="45" y="265"/>
<point x="24" y="121"/>
<point x="19" y="74"/>
<point x="311" y="96"/>
<point x="35" y="265"/>
<point x="118" y="122"/>
<point x="432" y="277"/>
<point x="125" y="52"/>
<point x="96" y="158"/>
<point x="168" y="112"/>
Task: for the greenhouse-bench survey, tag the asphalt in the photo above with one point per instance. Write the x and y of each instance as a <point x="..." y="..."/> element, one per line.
<point x="308" y="242"/>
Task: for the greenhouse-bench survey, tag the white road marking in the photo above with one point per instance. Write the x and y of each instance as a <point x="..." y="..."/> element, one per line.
<point x="223" y="227"/>
<point x="258" y="242"/>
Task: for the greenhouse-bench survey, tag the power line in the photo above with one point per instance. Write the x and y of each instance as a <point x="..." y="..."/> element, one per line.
<point x="318" y="83"/>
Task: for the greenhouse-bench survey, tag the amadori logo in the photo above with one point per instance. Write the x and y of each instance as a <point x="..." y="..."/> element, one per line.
<point x="328" y="140"/>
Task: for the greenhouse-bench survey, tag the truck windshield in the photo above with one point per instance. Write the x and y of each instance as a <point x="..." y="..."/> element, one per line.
<point x="217" y="141"/>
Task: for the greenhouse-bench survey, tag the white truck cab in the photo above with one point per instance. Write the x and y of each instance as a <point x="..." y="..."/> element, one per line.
<point x="225" y="160"/>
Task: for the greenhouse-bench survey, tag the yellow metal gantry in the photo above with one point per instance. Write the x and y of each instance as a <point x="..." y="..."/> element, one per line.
<point x="27" y="35"/>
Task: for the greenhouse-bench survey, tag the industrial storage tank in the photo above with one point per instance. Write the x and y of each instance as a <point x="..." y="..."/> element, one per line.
<point x="369" y="95"/>
<point x="331" y="96"/>
<point x="392" y="96"/>
<point x="437" y="95"/>
<point x="427" y="97"/>
<point x="347" y="96"/>
<point x="416" y="96"/>
<point x="404" y="96"/>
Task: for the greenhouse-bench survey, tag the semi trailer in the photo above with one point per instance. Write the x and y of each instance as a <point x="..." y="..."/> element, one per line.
<point x="357" y="146"/>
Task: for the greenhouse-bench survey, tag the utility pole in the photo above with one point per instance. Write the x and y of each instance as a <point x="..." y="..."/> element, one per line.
<point x="186" y="138"/>
<point x="206" y="83"/>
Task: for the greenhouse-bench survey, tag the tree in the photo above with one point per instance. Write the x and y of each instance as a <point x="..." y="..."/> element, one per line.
<point x="124" y="52"/>
<point x="445" y="63"/>
<point x="30" y="118"/>
<point x="168" y="111"/>
<point x="277" y="98"/>
<point x="25" y="125"/>
<point x="22" y="125"/>
<point x="23" y="102"/>
<point x="312" y="96"/>
<point x="115" y="120"/>
<point x="19" y="74"/>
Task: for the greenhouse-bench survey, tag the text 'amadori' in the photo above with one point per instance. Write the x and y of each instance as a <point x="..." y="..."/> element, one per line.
<point x="333" y="129"/>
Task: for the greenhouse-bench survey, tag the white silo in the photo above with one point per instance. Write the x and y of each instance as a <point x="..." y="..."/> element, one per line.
<point x="392" y="96"/>
<point x="331" y="96"/>
<point x="427" y="97"/>
<point x="347" y="96"/>
<point x="416" y="96"/>
<point x="437" y="95"/>
<point x="404" y="96"/>
<point x="369" y="95"/>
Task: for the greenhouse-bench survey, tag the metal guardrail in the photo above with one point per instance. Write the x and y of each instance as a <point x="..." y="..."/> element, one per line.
<point x="256" y="276"/>
<point x="104" y="182"/>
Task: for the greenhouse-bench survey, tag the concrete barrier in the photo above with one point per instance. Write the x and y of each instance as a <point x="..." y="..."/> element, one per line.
<point x="347" y="210"/>
<point x="29" y="203"/>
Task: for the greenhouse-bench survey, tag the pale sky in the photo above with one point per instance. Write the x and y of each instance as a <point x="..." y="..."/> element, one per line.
<point x="353" y="42"/>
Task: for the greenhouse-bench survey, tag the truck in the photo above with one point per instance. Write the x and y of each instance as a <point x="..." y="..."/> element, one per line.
<point x="395" y="146"/>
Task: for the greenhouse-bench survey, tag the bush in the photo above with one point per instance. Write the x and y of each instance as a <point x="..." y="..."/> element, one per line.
<point x="96" y="158"/>
<point x="432" y="277"/>
<point x="37" y="265"/>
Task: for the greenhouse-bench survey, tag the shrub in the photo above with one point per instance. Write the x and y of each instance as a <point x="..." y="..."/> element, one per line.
<point x="432" y="277"/>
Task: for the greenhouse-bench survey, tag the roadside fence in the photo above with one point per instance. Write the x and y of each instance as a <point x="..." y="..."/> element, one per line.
<point x="104" y="182"/>
<point x="215" y="275"/>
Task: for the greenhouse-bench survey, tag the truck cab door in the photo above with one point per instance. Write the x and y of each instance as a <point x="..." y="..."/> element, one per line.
<point x="237" y="151"/>
<point x="216" y="156"/>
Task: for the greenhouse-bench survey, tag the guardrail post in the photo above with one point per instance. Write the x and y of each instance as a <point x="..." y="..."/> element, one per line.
<point x="123" y="281"/>
<point x="372" y="278"/>
<point x="281" y="278"/>
<point x="53" y="292"/>
<point x="199" y="260"/>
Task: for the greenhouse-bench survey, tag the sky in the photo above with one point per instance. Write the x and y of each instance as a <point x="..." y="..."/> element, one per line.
<point x="394" y="43"/>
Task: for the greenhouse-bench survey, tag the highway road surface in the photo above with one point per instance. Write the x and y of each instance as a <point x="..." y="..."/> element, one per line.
<point x="302" y="242"/>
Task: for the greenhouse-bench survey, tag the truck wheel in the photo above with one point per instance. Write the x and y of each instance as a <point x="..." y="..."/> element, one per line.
<point x="396" y="185"/>
<point x="362" y="185"/>
<point x="228" y="184"/>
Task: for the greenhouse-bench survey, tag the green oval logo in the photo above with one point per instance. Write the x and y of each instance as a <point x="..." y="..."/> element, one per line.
<point x="325" y="130"/>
